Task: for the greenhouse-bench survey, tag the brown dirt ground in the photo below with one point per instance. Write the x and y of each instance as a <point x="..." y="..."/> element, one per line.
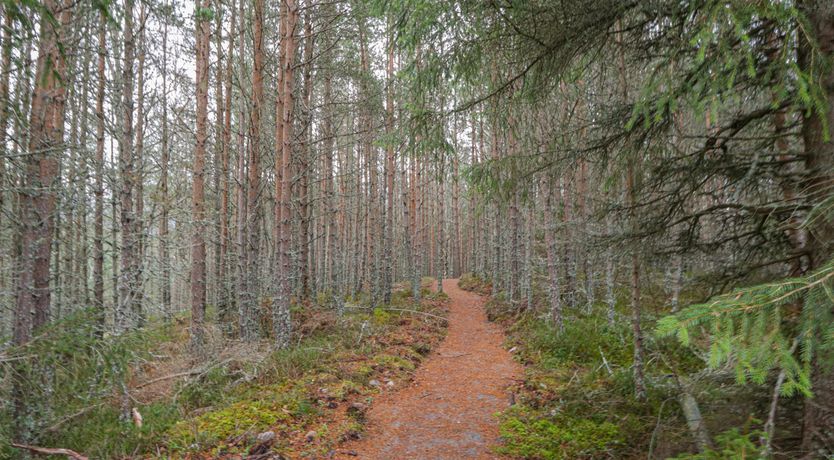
<point x="448" y="410"/>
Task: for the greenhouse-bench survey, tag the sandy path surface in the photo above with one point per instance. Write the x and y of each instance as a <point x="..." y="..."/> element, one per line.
<point x="447" y="412"/>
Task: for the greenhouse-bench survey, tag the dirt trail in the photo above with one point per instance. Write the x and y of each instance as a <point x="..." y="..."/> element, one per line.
<point x="448" y="410"/>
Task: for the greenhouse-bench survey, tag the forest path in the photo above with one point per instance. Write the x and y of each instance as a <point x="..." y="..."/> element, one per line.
<point x="447" y="412"/>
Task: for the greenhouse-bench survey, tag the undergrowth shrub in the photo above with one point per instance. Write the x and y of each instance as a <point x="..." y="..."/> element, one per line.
<point x="554" y="438"/>
<point x="584" y="341"/>
<point x="733" y="444"/>
<point x="69" y="370"/>
<point x="579" y="387"/>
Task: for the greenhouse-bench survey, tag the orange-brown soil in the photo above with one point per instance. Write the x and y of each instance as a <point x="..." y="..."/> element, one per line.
<point x="448" y="411"/>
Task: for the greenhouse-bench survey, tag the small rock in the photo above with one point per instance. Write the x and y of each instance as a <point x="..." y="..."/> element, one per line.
<point x="390" y="384"/>
<point x="357" y="410"/>
<point x="374" y="383"/>
<point x="332" y="405"/>
<point x="358" y="406"/>
<point x="265" y="441"/>
<point x="266" y="436"/>
<point x="310" y="436"/>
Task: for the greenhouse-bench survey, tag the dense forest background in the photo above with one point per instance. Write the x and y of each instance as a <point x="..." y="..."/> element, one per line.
<point x="653" y="176"/>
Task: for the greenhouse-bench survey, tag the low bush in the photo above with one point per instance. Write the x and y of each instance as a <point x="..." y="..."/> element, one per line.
<point x="559" y="437"/>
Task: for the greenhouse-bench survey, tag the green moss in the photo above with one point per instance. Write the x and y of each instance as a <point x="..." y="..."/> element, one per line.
<point x="236" y="419"/>
<point x="364" y="371"/>
<point x="385" y="361"/>
<point x="556" y="438"/>
<point x="381" y="316"/>
<point x="266" y="407"/>
<point x="437" y="296"/>
<point x="208" y="390"/>
<point x="471" y="282"/>
<point x="343" y="389"/>
<point x="399" y="298"/>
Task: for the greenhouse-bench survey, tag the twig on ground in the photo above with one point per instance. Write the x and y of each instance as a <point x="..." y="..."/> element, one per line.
<point x="399" y="309"/>
<point x="188" y="373"/>
<point x="453" y="355"/>
<point x="51" y="451"/>
<point x="605" y="362"/>
<point x="66" y="419"/>
<point x="656" y="427"/>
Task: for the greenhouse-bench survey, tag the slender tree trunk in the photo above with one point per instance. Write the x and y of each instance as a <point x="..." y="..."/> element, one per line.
<point x="279" y="145"/>
<point x="416" y="288"/>
<point x="219" y="151"/>
<point x="198" y="210"/>
<point x="249" y="325"/>
<point x="610" y="277"/>
<point x="164" y="254"/>
<point x="553" y="290"/>
<point x="139" y="226"/>
<point x="5" y="106"/>
<point x="817" y="437"/>
<point x="98" y="237"/>
<point x="127" y="309"/>
<point x="225" y="298"/>
<point x="281" y="311"/>
<point x="38" y="194"/>
<point x="388" y="252"/>
<point x="305" y="155"/>
<point x="330" y="199"/>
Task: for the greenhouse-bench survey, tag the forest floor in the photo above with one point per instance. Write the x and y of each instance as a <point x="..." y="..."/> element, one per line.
<point x="448" y="412"/>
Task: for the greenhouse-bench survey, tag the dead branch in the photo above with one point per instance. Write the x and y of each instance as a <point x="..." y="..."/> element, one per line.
<point x="51" y="451"/>
<point x="81" y="412"/>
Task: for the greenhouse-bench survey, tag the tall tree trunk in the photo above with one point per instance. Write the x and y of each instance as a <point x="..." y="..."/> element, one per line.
<point x="330" y="199"/>
<point x="198" y="210"/>
<point x="139" y="226"/>
<point x="458" y="246"/>
<point x="281" y="310"/>
<point x="225" y="298"/>
<point x="5" y="105"/>
<point x="416" y="274"/>
<point x="390" y="166"/>
<point x="98" y="232"/>
<point x="38" y="194"/>
<point x="817" y="437"/>
<point x="219" y="151"/>
<point x="164" y="253"/>
<point x="553" y="289"/>
<point x="127" y="310"/>
<point x="82" y="238"/>
<point x="249" y="325"/>
<point x="305" y="155"/>
<point x="631" y="198"/>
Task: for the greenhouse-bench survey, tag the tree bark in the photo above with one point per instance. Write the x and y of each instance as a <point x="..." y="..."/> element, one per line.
<point x="164" y="253"/>
<point x="389" y="175"/>
<point x="249" y="321"/>
<point x="553" y="289"/>
<point x="38" y="194"/>
<point x="128" y="309"/>
<point x="817" y="437"/>
<point x="198" y="210"/>
<point x="281" y="310"/>
<point x="98" y="232"/>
